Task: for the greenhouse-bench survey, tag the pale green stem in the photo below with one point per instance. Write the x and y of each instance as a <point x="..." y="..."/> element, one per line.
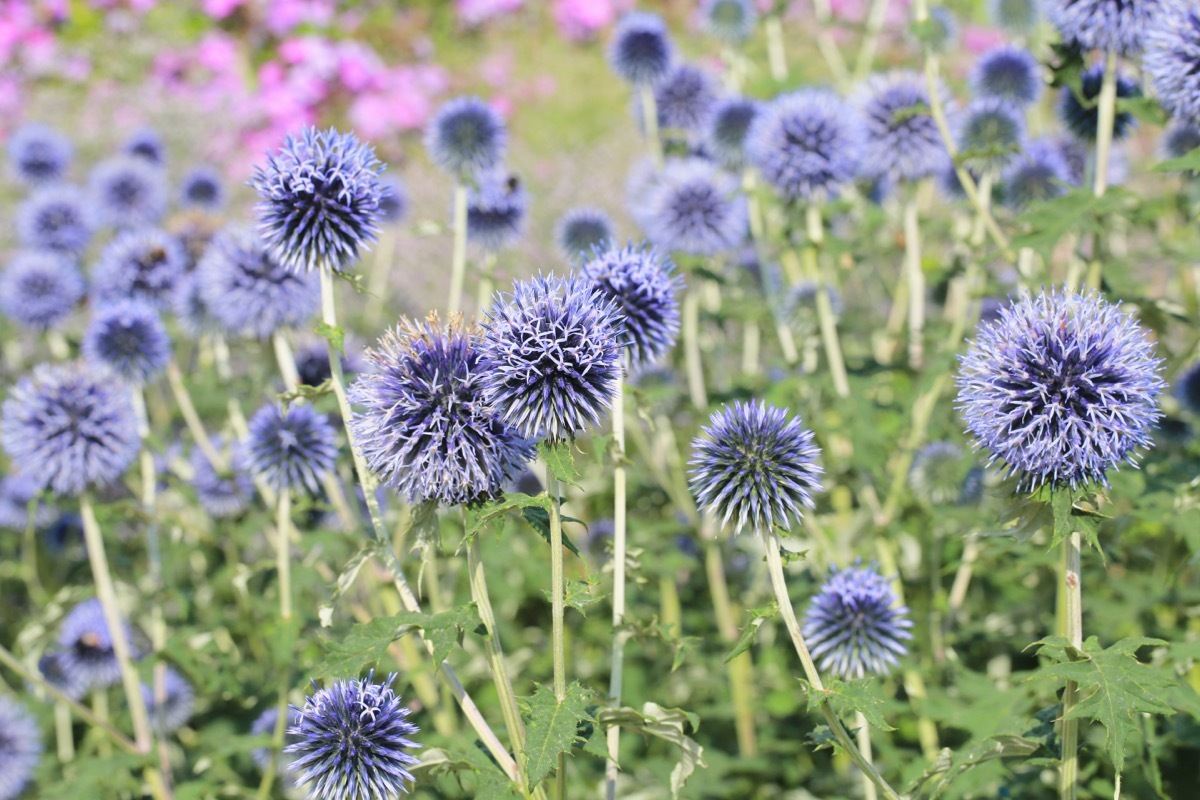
<point x="776" y="55"/>
<point x="650" y="123"/>
<point x="29" y="559"/>
<point x="916" y="285"/>
<point x="283" y="559"/>
<point x="487" y="283"/>
<point x="870" y="44"/>
<point x="188" y="409"/>
<point x="864" y="744"/>
<point x="378" y="287"/>
<point x="1106" y="113"/>
<point x="691" y="348"/>
<point x="58" y="344"/>
<point x="557" y="615"/>
<point x="64" y="738"/>
<point x="1072" y="596"/>
<point x="828" y="325"/>
<point x="613" y="733"/>
<point x="458" y="263"/>
<point x="751" y="347"/>
<point x="827" y="46"/>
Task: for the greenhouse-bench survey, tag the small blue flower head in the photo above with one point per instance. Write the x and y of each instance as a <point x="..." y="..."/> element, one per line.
<point x="87" y="646"/>
<point x="146" y="144"/>
<point x="312" y="361"/>
<point x="807" y="145"/>
<point x="1118" y="26"/>
<point x="143" y="264"/>
<point x="249" y="291"/>
<point x="551" y="355"/>
<point x="393" y="202"/>
<point x="1016" y="16"/>
<point x="641" y="51"/>
<point x="581" y="231"/>
<point x="727" y="129"/>
<point x="937" y="473"/>
<point x="1082" y="119"/>
<point x="54" y="667"/>
<point x="291" y="450"/>
<point x="189" y="308"/>
<point x="351" y="740"/>
<point x="942" y="32"/>
<point x="69" y="428"/>
<point x="641" y="282"/>
<point x="222" y="494"/>
<point x="39" y="154"/>
<point x="902" y="141"/>
<point x="176" y="708"/>
<point x="755" y="466"/>
<point x="424" y="427"/>
<point x="695" y="208"/>
<point x="1039" y="173"/>
<point x="731" y="21"/>
<point x="1061" y="389"/>
<point x="1187" y="388"/>
<point x="496" y="211"/>
<point x="466" y="137"/>
<point x="20" y="747"/>
<point x="264" y="725"/>
<point x="202" y="189"/>
<point x="1173" y="58"/>
<point x="855" y="626"/>
<point x="1179" y="139"/>
<point x="319" y="199"/>
<point x="56" y="217"/>
<point x="641" y="182"/>
<point x="128" y="192"/>
<point x="128" y="337"/>
<point x="1008" y="73"/>
<point x="17" y="491"/>
<point x="685" y="98"/>
<point x="39" y="289"/>
<point x="990" y="134"/>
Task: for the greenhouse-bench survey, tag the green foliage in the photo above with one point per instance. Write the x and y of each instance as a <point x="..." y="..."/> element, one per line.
<point x="668" y="724"/>
<point x="560" y="461"/>
<point x="366" y="642"/>
<point x="551" y="727"/>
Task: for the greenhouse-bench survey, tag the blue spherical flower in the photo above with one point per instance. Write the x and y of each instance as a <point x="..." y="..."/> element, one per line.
<point x="55" y="669"/>
<point x="496" y="211"/>
<point x="1173" y="58"/>
<point x="312" y="362"/>
<point x="424" y="427"/>
<point x="222" y="494"/>
<point x="727" y="128"/>
<point x="1187" y="388"/>
<point x="1060" y="390"/>
<point x="177" y="705"/>
<point x="129" y="338"/>
<point x="937" y="473"/>
<point x="55" y="217"/>
<point x="731" y="21"/>
<point x="39" y="154"/>
<point x="69" y="428"/>
<point x="264" y="726"/>
<point x="807" y="145"/>
<point x="249" y="291"/>
<point x="128" y="192"/>
<point x="695" y="208"/>
<point x="291" y="450"/>
<point x="756" y="466"/>
<point x="990" y="133"/>
<point x="685" y="98"/>
<point x="202" y="189"/>
<point x="1008" y="73"/>
<point x="143" y="264"/>
<point x="466" y="137"/>
<point x="351" y="742"/>
<point x="40" y="288"/>
<point x="1039" y="173"/>
<point x="1116" y="26"/>
<point x="1082" y="119"/>
<point x="20" y="748"/>
<point x="901" y="139"/>
<point x="189" y="308"/>
<point x="319" y="199"/>
<point x="855" y="626"/>
<point x="393" y="202"/>
<point x="17" y="491"/>
<point x="641" y="51"/>
<point x="641" y="183"/>
<point x="1017" y="16"/>
<point x="942" y="30"/>
<point x="551" y="356"/>
<point x="581" y="231"/>
<point x="87" y="646"/>
<point x="1179" y="139"/>
<point x="146" y="144"/>
<point x="642" y="285"/>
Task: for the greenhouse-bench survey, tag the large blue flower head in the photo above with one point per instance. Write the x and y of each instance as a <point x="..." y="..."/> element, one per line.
<point x="807" y="145"/>
<point x="466" y="137"/>
<point x="582" y="230"/>
<point x="855" y="626"/>
<point x="694" y="208"/>
<point x="1016" y="16"/>
<point x="128" y="192"/>
<point x="641" y="50"/>
<point x="551" y="356"/>
<point x="319" y="199"/>
<point x="424" y="427"/>
<point x="249" y="291"/>
<point x="755" y="466"/>
<point x="1082" y="119"/>
<point x="1039" y="173"/>
<point x="202" y="189"/>
<point x="39" y="154"/>
<point x="990" y="133"/>
<point x="1061" y="389"/>
<point x="1173" y="57"/>
<point x="291" y="450"/>
<point x="1187" y="388"/>
<point x="87" y="646"/>
<point x="1118" y="26"/>
<point x="727" y="129"/>
<point x="685" y="99"/>
<point x="69" y="427"/>
<point x="40" y="288"/>
<point x="17" y="491"/>
<point x="176" y="708"/>
<point x="56" y="217"/>
<point x="20" y="747"/>
<point x="496" y="211"/>
<point x="146" y="143"/>
<point x="143" y="264"/>
<point x="902" y="141"/>
<point x="351" y="739"/>
<point x="128" y="337"/>
<point x="731" y="21"/>
<point x="1008" y="73"/>
<point x="641" y="282"/>
<point x="227" y="493"/>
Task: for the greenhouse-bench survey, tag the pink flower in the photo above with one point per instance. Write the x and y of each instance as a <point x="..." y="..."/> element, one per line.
<point x="359" y="67"/>
<point x="978" y="39"/>
<point x="371" y="116"/>
<point x="580" y="20"/>
<point x="497" y="69"/>
<point x="472" y="13"/>
<point x="217" y="52"/>
<point x="282" y="16"/>
<point x="220" y="9"/>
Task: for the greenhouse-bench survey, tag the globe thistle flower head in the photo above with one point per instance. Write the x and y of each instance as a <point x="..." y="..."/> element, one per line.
<point x="17" y="491"/>
<point x="854" y="626"/>
<point x="312" y="361"/>
<point x="1187" y="388"/>
<point x="727" y="129"/>
<point x="143" y="264"/>
<point x="202" y="189"/>
<point x="496" y="211"/>
<point x="941" y="31"/>
<point x="1016" y="16"/>
<point x="39" y="289"/>
<point x="755" y="466"/>
<point x="128" y="192"/>
<point x="1173" y="58"/>
<point x="551" y="356"/>
<point x="293" y="449"/>
<point x="318" y="199"/>
<point x="990" y="134"/>
<point x="69" y="428"/>
<point x="581" y="231"/>
<point x="1082" y="118"/>
<point x="55" y="669"/>
<point x="901" y="139"/>
<point x="189" y="308"/>
<point x="176" y="708"/>
<point x="146" y="144"/>
<point x="642" y="52"/>
<point x="806" y="145"/>
<point x="128" y="337"/>
<point x="222" y="494"/>
<point x="937" y="473"/>
<point x="1039" y="173"/>
<point x="56" y="217"/>
<point x="20" y="748"/>
<point x="351" y="741"/>
<point x="1061" y="389"/>
<point x="1179" y="139"/>
<point x="1106" y="25"/>
<point x="264" y="725"/>
<point x="730" y="21"/>
<point x="641" y="182"/>
<point x="695" y="208"/>
<point x="466" y="137"/>
<point x="393" y="201"/>
<point x="39" y="154"/>
<point x="87" y="646"/>
<point x="685" y="98"/>
<point x="641" y="283"/>
<point x="1008" y="73"/>
<point x="249" y="291"/>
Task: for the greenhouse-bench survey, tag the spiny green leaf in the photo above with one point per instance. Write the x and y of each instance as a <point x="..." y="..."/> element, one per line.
<point x="1189" y="162"/>
<point x="551" y="728"/>
<point x="486" y="512"/>
<point x="539" y="520"/>
<point x="667" y="724"/>
<point x="580" y="594"/>
<point x="306" y="392"/>
<point x="950" y="765"/>
<point x="363" y="646"/>
<point x="443" y="630"/>
<point x="559" y="461"/>
<point x="846" y="696"/>
<point x="746" y="640"/>
<point x="356" y="281"/>
<point x="332" y="334"/>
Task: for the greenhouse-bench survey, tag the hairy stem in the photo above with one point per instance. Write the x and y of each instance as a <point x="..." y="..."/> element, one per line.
<point x="776" y="55"/>
<point x="691" y="348"/>
<point x="188" y="409"/>
<point x="1107" y="113"/>
<point x="1072" y="594"/>
<point x="650" y="123"/>
<point x="557" y="612"/>
<point x="613" y="734"/>
<point x="916" y="284"/>
<point x="825" y="319"/>
<point x="741" y="667"/>
<point x="864" y="744"/>
<point x="458" y="263"/>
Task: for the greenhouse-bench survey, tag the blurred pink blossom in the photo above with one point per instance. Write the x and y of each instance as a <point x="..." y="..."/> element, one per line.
<point x="359" y="67"/>
<point x="220" y="9"/>
<point x="283" y="16"/>
<point x="497" y="69"/>
<point x="217" y="52"/>
<point x="473" y="13"/>
<point x="978" y="39"/>
<point x="580" y="20"/>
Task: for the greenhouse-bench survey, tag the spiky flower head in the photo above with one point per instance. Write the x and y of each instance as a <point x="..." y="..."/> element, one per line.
<point x="685" y="99"/>
<point x="1082" y="118"/>
<point x="694" y="208"/>
<point x="393" y="202"/>
<point x="249" y="291"/>
<point x="143" y="264"/>
<point x="756" y="466"/>
<point x="727" y="128"/>
<point x="551" y="356"/>
<point x="1008" y="73"/>
<point x="1187" y="388"/>
<point x="466" y="137"/>
<point x="641" y="52"/>
<point x="731" y="21"/>
<point x="854" y="626"/>
<point x="202" y="188"/>
<point x="1118" y="26"/>
<point x="937" y="473"/>
<point x="69" y="427"/>
<point x="146" y="144"/>
<point x="496" y="210"/>
<point x="582" y="230"/>
<point x="902" y="140"/>
<point x="127" y="337"/>
<point x="40" y="288"/>
<point x="20" y="747"/>
<point x="1061" y="389"/>
<point x="1039" y="173"/>
<point x="807" y="145"/>
<point x="641" y="282"/>
<point x="56" y="217"/>
<point x="54" y="667"/>
<point x="17" y="491"/>
<point x="176" y="708"/>
<point x="291" y="450"/>
<point x="128" y="192"/>
<point x="87" y="645"/>
<point x="39" y="154"/>
<point x="189" y="308"/>
<point x="1016" y="16"/>
<point x="226" y="493"/>
<point x="990" y="134"/>
<point x="1173" y="58"/>
<point x="1179" y="139"/>
<point x="352" y="738"/>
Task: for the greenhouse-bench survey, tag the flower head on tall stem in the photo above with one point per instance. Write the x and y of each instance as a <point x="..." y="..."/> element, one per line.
<point x="694" y="208"/>
<point x="128" y="192"/>
<point x="466" y="137"/>
<point x="1039" y="173"/>
<point x="146" y="143"/>
<point x="496" y="211"/>
<point x="291" y="450"/>
<point x="990" y="133"/>
<point x="1008" y="73"/>
<point x="176" y="709"/>
<point x="641" y="51"/>
<point x="728" y="125"/>
<point x="731" y="21"/>
<point x="1172" y="58"/>
<point x="902" y="140"/>
<point x="128" y="337"/>
<point x="1118" y="26"/>
<point x="55" y="669"/>
<point x="264" y="725"/>
<point x="937" y="473"/>
<point x="56" y="217"/>
<point x="393" y="202"/>
<point x="581" y="231"/>
<point x="1187" y="388"/>
<point x="1179" y="139"/>
<point x="202" y="189"/>
<point x="855" y="627"/>
<point x="685" y="99"/>
<point x="1082" y="118"/>
<point x="39" y="289"/>
<point x="86" y="644"/>
<point x="17" y="491"/>
<point x="143" y="264"/>
<point x="20" y="748"/>
<point x="641" y="282"/>
<point x="222" y="495"/>
<point x="39" y="154"/>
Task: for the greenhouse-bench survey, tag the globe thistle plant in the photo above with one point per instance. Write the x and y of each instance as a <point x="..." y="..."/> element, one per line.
<point x="1008" y="73"/>
<point x="855" y="626"/>
<point x="176" y="708"/>
<point x="1187" y="388"/>
<point x="1039" y="173"/>
<point x="393" y="201"/>
<point x="937" y="473"/>
<point x="351" y="742"/>
<point x="755" y="466"/>
<point x="990" y="134"/>
<point x="466" y="137"/>
<point x="641" y="52"/>
<point x="583" y="230"/>
<point x="39" y="154"/>
<point x="222" y="494"/>
<point x="39" y="289"/>
<point x="55" y="669"/>
<point x="128" y="337"/>
<point x="496" y="211"/>
<point x="1117" y="26"/>
<point x="128" y="192"/>
<point x="731" y="21"/>
<point x="291" y="450"/>
<point x="1061" y="389"/>
<point x="641" y="283"/>
<point x="20" y="748"/>
<point x="1173" y="57"/>
<point x="1179" y="139"/>
<point x="86" y="644"/>
<point x="1082" y="117"/>
<point x="146" y="144"/>
<point x="143" y="264"/>
<point x="685" y="99"/>
<point x="727" y="129"/>
<point x="17" y="491"/>
<point x="202" y="189"/>
<point x="189" y="308"/>
<point x="56" y="217"/>
<point x="901" y="139"/>
<point x="695" y="208"/>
